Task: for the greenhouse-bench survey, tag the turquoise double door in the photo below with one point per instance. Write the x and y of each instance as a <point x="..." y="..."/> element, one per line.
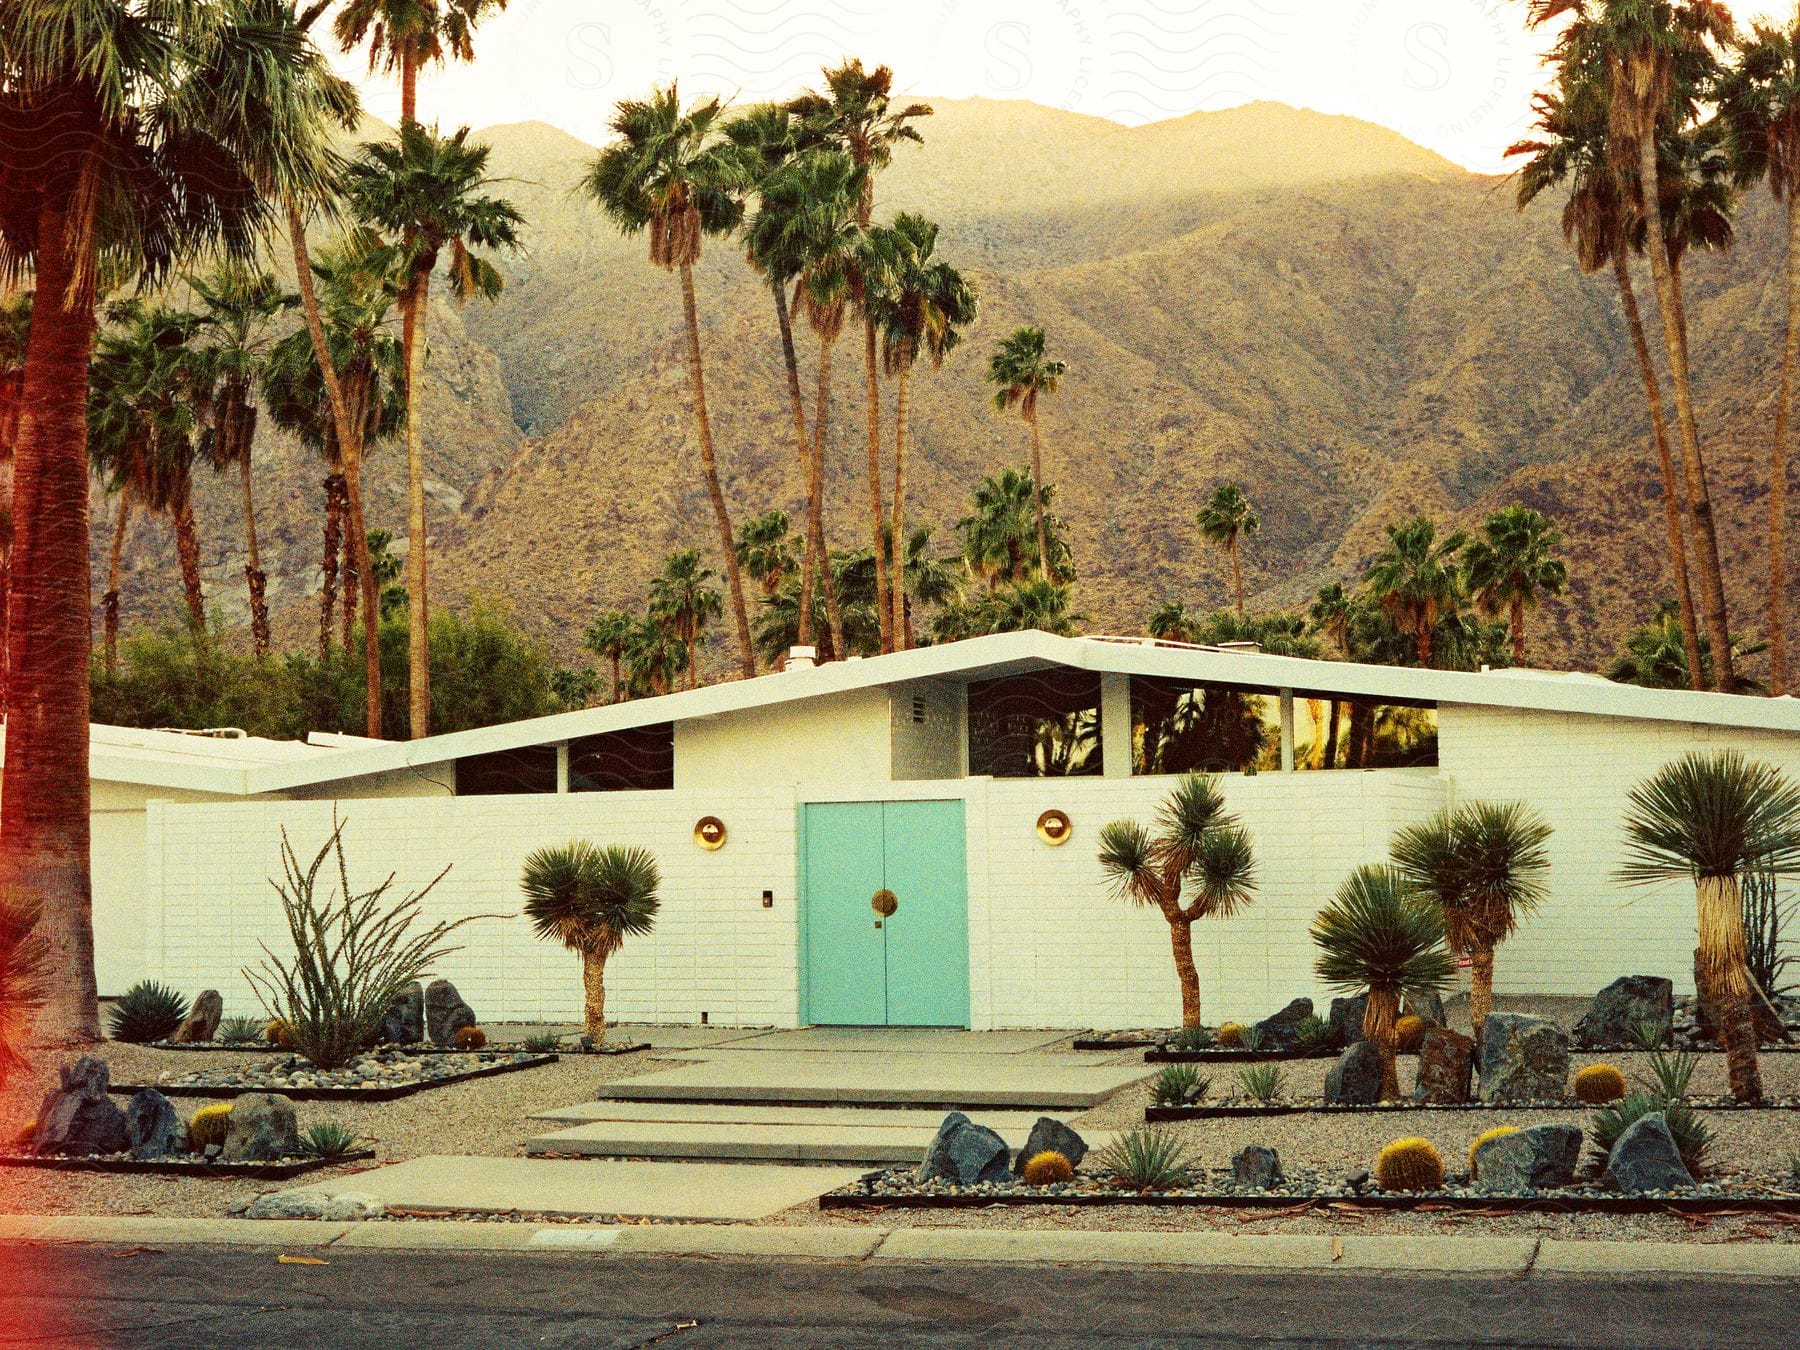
<point x="884" y="914"/>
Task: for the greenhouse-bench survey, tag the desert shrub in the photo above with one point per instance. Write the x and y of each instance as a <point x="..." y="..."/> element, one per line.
<point x="1599" y="1083"/>
<point x="1670" y="1074"/>
<point x="146" y="1012"/>
<point x="542" y="1043"/>
<point x="24" y="959"/>
<point x="470" y="1038"/>
<point x="1497" y="1132"/>
<point x="1251" y="1038"/>
<point x="353" y="954"/>
<point x="1408" y="1032"/>
<point x="1177" y="1083"/>
<point x="1410" y="1165"/>
<point x="1692" y="1137"/>
<point x="240" y="1030"/>
<point x="1192" y="1038"/>
<point x="208" y="1126"/>
<point x="328" y="1139"/>
<point x="1311" y="1033"/>
<point x="1148" y="1159"/>
<point x="1262" y="1082"/>
<point x="1048" y="1169"/>
<point x="1231" y="1035"/>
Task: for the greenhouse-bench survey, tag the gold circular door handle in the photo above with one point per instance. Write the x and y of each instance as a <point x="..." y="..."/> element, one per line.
<point x="884" y="902"/>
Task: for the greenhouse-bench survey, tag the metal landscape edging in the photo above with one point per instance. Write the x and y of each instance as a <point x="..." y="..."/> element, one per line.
<point x="1164" y="1114"/>
<point x="1428" y="1201"/>
<point x="332" y="1094"/>
<point x="207" y="1168"/>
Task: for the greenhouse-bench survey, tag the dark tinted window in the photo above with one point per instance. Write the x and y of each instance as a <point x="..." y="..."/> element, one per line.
<point x="1357" y="733"/>
<point x="639" y="760"/>
<point x="1179" y="726"/>
<point x="532" y="769"/>
<point x="1035" y="726"/>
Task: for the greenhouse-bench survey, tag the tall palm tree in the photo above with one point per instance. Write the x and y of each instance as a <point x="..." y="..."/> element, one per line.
<point x="1022" y="373"/>
<point x="1199" y="849"/>
<point x="590" y="900"/>
<point x="15" y="337"/>
<point x="404" y="36"/>
<point x="1226" y="520"/>
<point x="1381" y="936"/>
<point x="922" y="312"/>
<point x="609" y="637"/>
<point x="1170" y="622"/>
<point x="684" y="599"/>
<point x="426" y="192"/>
<point x="1330" y="614"/>
<point x="1511" y="566"/>
<point x="1484" y="864"/>
<point x="765" y="551"/>
<point x="143" y="134"/>
<point x="925" y="577"/>
<point x="1711" y="818"/>
<point x="1654" y="657"/>
<point x="1415" y="579"/>
<point x="1759" y="105"/>
<point x="674" y="173"/>
<point x="654" y="658"/>
<point x="999" y="533"/>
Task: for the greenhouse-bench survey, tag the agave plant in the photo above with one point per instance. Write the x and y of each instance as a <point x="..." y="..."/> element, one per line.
<point x="1148" y="1159"/>
<point x="591" y="899"/>
<point x="1178" y="1084"/>
<point x="1262" y="1082"/>
<point x="329" y="1139"/>
<point x="1692" y="1137"/>
<point x="146" y="1012"/>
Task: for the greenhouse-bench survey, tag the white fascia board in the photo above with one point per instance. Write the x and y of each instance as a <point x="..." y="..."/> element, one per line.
<point x="166" y="773"/>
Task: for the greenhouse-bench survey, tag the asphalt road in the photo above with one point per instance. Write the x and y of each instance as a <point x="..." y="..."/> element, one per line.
<point x="243" y="1297"/>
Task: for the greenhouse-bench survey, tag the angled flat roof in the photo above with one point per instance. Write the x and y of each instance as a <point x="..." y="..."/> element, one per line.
<point x="202" y="761"/>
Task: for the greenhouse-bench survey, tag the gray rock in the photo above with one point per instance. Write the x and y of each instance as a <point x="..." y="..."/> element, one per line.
<point x="153" y="1127"/>
<point x="404" y="1023"/>
<point x="345" y="1207"/>
<point x="1537" y="1158"/>
<point x="1645" y="1158"/>
<point x="1523" y="1059"/>
<point x="1051" y="1136"/>
<point x="1612" y="1018"/>
<point x="1428" y="1006"/>
<point x="1355" y="1080"/>
<point x="445" y="1012"/>
<point x="78" y="1119"/>
<point x="1256" y="1167"/>
<point x="1446" y="1067"/>
<point x="965" y="1153"/>
<point x="1281" y="1030"/>
<point x="262" y="1129"/>
<point x="1346" y="1019"/>
<point x="202" y="1023"/>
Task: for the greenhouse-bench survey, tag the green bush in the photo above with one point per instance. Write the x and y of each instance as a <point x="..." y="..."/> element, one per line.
<point x="1190" y="1039"/>
<point x="241" y="1030"/>
<point x="1262" y="1082"/>
<point x="1312" y="1033"/>
<point x="1149" y="1159"/>
<point x="1177" y="1083"/>
<point x="146" y="1012"/>
<point x="1692" y="1137"/>
<point x="328" y="1139"/>
<point x="543" y="1043"/>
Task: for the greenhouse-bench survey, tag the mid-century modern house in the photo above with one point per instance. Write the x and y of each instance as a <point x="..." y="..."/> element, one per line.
<point x="969" y="781"/>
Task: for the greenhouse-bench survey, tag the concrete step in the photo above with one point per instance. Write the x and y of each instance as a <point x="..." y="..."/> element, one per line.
<point x="740" y="1113"/>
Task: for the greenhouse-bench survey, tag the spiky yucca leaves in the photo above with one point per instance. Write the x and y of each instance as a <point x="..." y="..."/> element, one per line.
<point x="1484" y="863"/>
<point x="146" y="1012"/>
<point x="1691" y="1135"/>
<point x="24" y="960"/>
<point x="1148" y="1158"/>
<point x="1199" y="848"/>
<point x="1381" y="934"/>
<point x="591" y="899"/>
<point x="329" y="1139"/>
<point x="1712" y="818"/>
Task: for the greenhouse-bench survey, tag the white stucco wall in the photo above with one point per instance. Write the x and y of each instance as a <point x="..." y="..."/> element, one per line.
<point x="836" y="738"/>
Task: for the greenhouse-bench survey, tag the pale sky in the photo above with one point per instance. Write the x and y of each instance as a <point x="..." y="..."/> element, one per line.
<point x="1453" y="75"/>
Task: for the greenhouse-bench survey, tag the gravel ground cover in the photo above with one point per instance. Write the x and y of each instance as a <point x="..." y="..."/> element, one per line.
<point x="378" y="1075"/>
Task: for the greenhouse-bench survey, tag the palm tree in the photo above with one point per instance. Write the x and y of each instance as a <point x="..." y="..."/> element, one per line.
<point x="1484" y="864"/>
<point x="921" y="311"/>
<point x="15" y="337"/>
<point x="674" y="173"/>
<point x="147" y="134"/>
<point x="609" y="637"/>
<point x="1759" y="105"/>
<point x="1225" y="520"/>
<point x="654" y="658"/>
<point x="1712" y="817"/>
<point x="684" y="599"/>
<point x="427" y="190"/>
<point x="1022" y="372"/>
<point x="1201" y="849"/>
<point x="1032" y="605"/>
<point x="1511" y="567"/>
<point x="1654" y="657"/>
<point x="1415" y="579"/>
<point x="590" y="900"/>
<point x="926" y="577"/>
<point x="1382" y="936"/>
<point x="765" y="551"/>
<point x="999" y="532"/>
<point x="406" y="35"/>
<point x="1170" y="622"/>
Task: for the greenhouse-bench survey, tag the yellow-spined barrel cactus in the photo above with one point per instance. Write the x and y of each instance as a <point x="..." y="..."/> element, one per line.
<point x="1410" y="1165"/>
<point x="208" y="1126"/>
<point x="1408" y="1032"/>
<point x="1599" y="1083"/>
<point x="1047" y="1169"/>
<point x="1231" y="1035"/>
<point x="279" y="1034"/>
<point x="470" y="1038"/>
<point x="1482" y="1138"/>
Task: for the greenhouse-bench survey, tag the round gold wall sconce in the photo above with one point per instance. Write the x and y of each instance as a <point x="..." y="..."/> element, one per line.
<point x="884" y="902"/>
<point x="1054" y="829"/>
<point x="709" y="833"/>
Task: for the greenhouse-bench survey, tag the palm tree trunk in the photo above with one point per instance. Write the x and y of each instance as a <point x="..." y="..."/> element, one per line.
<point x="187" y="555"/>
<point x="418" y="611"/>
<point x="409" y="85"/>
<point x="834" y="616"/>
<point x="1237" y="578"/>
<point x="328" y="564"/>
<point x="254" y="577"/>
<point x="1481" y="986"/>
<point x="1379" y="1017"/>
<point x="1037" y="496"/>
<point x="1422" y="641"/>
<point x="809" y="560"/>
<point x="710" y="468"/>
<point x="877" y="516"/>
<point x="44" y="829"/>
<point x="1331" y="734"/>
<point x="1673" y="501"/>
<point x="1724" y="963"/>
<point x="902" y="625"/>
<point x="1516" y="621"/>
<point x="109" y="603"/>
<point x="1778" y="471"/>
<point x="1706" y="540"/>
<point x="1181" y="938"/>
<point x="618" y="675"/>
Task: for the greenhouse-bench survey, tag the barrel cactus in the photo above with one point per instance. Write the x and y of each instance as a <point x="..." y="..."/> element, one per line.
<point x="1047" y="1169"/>
<point x="1410" y="1165"/>
<point x="1408" y="1032"/>
<point x="208" y="1126"/>
<point x="279" y="1034"/>
<point x="1231" y="1035"/>
<point x="1497" y="1132"/>
<point x="1599" y="1083"/>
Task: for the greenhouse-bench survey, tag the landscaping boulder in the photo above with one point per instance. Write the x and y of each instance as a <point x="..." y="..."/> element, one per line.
<point x="1533" y="1159"/>
<point x="1346" y="1019"/>
<point x="1446" y="1067"/>
<point x="1612" y="1018"/>
<point x="1051" y="1136"/>
<point x="1428" y="1006"/>
<point x="1645" y="1158"/>
<point x="965" y="1153"/>
<point x="1281" y="1031"/>
<point x="1523" y="1059"/>
<point x="1355" y="1080"/>
<point x="344" y="1207"/>
<point x="445" y="1012"/>
<point x="202" y="1024"/>
<point x="153" y="1127"/>
<point x="78" y="1119"/>
<point x="262" y="1129"/>
<point x="404" y="1023"/>
<point x="1256" y="1167"/>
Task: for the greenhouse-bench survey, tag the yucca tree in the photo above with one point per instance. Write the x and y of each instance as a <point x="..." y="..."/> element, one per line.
<point x="1198" y="850"/>
<point x="591" y="899"/>
<point x="1382" y="936"/>
<point x="133" y="135"/>
<point x="1416" y="579"/>
<point x="609" y="637"/>
<point x="1512" y="565"/>
<point x="1759" y="105"/>
<point x="674" y="174"/>
<point x="15" y="337"/>
<point x="404" y="36"/>
<point x="922" y="312"/>
<point x="1712" y="817"/>
<point x="1485" y="865"/>
<point x="685" y="600"/>
<point x="426" y="194"/>
<point x="1024" y="373"/>
<point x="1226" y="520"/>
